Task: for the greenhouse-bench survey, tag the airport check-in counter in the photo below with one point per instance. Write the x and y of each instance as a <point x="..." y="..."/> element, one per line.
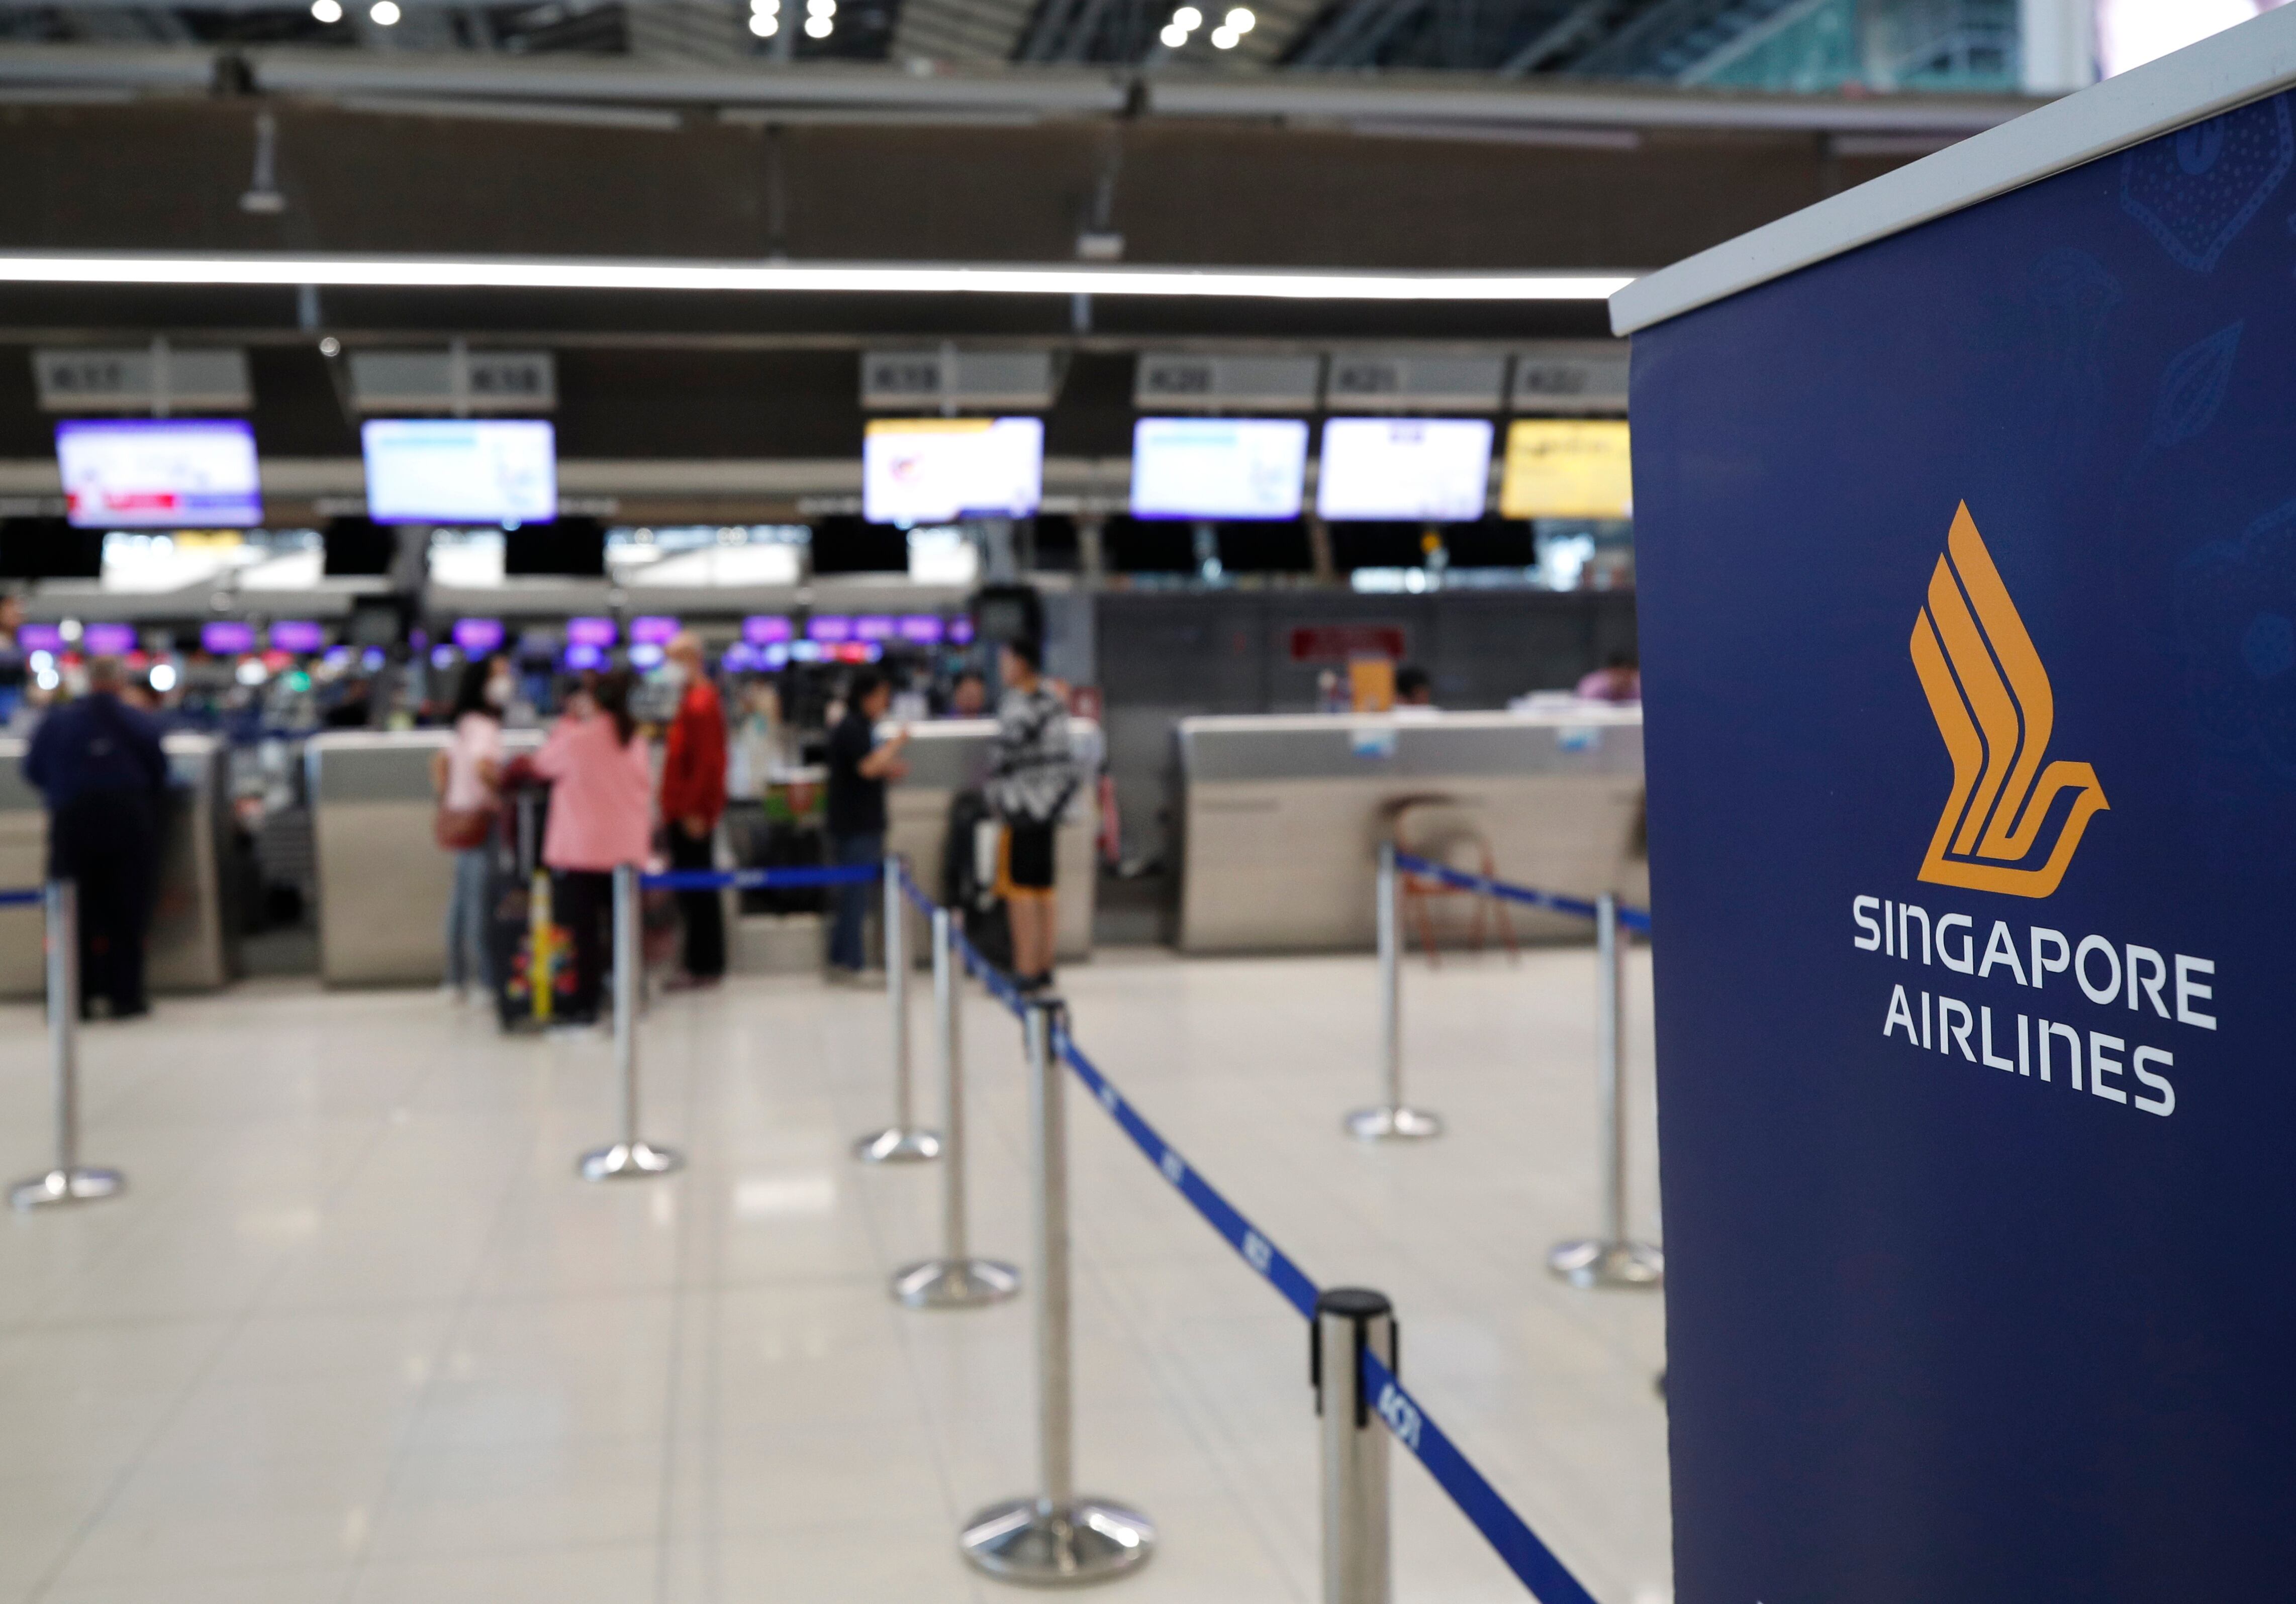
<point x="950" y="755"/>
<point x="384" y="881"/>
<point x="1283" y="817"/>
<point x="191" y="945"/>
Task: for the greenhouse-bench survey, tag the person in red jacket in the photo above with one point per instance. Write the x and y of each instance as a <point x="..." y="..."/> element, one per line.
<point x="692" y="796"/>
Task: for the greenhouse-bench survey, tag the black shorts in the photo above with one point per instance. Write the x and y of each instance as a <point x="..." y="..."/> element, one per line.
<point x="1027" y="857"/>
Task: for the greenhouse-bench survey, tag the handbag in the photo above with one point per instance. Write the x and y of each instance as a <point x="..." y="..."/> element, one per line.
<point x="461" y="829"/>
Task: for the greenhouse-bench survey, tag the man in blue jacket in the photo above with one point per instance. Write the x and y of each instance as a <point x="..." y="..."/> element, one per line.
<point x="99" y="763"/>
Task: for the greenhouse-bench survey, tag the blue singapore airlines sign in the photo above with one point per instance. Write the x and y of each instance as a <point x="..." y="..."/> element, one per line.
<point x="1968" y="568"/>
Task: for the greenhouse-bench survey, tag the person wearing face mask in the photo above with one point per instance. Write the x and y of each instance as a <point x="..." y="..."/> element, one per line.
<point x="467" y="776"/>
<point x="692" y="796"/>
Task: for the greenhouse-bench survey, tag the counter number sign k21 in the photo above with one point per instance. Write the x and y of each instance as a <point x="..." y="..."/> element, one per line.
<point x="1994" y="709"/>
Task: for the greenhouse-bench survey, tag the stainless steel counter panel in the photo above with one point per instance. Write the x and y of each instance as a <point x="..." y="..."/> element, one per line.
<point x="945" y="756"/>
<point x="1282" y="816"/>
<point x="191" y="945"/>
<point x="383" y="879"/>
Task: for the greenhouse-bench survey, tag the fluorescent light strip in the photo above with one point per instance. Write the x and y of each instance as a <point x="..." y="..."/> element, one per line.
<point x="561" y="272"/>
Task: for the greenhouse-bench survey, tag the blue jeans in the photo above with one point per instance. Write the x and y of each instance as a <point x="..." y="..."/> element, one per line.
<point x="470" y="957"/>
<point x="852" y="908"/>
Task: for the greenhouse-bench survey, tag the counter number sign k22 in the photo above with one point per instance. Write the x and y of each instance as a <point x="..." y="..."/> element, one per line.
<point x="1995" y="710"/>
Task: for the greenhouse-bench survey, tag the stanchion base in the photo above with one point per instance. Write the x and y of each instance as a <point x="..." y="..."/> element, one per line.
<point x="894" y="1145"/>
<point x="1591" y="1264"/>
<point x="955" y="1283"/>
<point x="1036" y="1544"/>
<point x="67" y="1186"/>
<point x="1393" y="1125"/>
<point x="627" y="1160"/>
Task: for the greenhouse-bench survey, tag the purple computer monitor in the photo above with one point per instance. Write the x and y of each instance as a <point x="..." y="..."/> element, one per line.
<point x="761" y="630"/>
<point x="590" y="631"/>
<point x="225" y="637"/>
<point x="298" y="635"/>
<point x="581" y="655"/>
<point x="40" y="637"/>
<point x="109" y="640"/>
<point x="921" y="629"/>
<point x="872" y="626"/>
<point x="652" y="631"/>
<point x="478" y="636"/>
<point x="829" y="628"/>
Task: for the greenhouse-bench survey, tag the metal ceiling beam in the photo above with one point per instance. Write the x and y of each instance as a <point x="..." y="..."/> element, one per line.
<point x="1578" y="23"/>
<point x="1354" y="33"/>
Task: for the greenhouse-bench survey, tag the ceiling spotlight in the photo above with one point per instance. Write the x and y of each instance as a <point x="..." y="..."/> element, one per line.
<point x="383" y="13"/>
<point x="329" y="347"/>
<point x="764" y="24"/>
<point x="1187" y="19"/>
<point x="1173" y="36"/>
<point x="1224" y="38"/>
<point x="1240" y="20"/>
<point x="820" y="8"/>
<point x="818" y="28"/>
<point x="327" y="11"/>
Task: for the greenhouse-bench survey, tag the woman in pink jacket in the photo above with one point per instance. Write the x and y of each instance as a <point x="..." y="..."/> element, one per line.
<point x="601" y="815"/>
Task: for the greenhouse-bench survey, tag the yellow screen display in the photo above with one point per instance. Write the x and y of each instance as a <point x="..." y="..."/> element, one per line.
<point x="1566" y="468"/>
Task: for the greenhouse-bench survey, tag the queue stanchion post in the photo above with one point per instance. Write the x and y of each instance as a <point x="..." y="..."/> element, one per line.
<point x="1393" y="1119"/>
<point x="67" y="1181"/>
<point x="1614" y="1258"/>
<point x="1348" y="1320"/>
<point x="632" y="1156"/>
<point x="956" y="1280"/>
<point x="902" y="1141"/>
<point x="1054" y="1538"/>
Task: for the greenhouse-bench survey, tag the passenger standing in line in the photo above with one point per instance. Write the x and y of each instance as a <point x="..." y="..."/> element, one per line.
<point x="601" y="797"/>
<point x="1414" y="689"/>
<point x="100" y="764"/>
<point x="467" y="777"/>
<point x="858" y="768"/>
<point x="1032" y="773"/>
<point x="692" y="799"/>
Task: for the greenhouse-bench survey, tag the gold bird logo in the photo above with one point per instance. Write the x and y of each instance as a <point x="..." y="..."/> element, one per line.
<point x="1990" y="697"/>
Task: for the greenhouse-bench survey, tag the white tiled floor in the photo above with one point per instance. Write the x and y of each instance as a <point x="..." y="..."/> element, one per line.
<point x="356" y="1334"/>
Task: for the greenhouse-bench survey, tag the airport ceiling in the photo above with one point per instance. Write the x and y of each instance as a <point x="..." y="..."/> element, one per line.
<point x="1661" y="41"/>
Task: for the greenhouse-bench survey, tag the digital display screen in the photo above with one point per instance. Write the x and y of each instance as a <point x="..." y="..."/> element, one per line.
<point x="1567" y="468"/>
<point x="739" y="658"/>
<point x="109" y="640"/>
<point x="1435" y="469"/>
<point x="489" y="471"/>
<point x="298" y="635"/>
<point x="1211" y="467"/>
<point x="590" y="631"/>
<point x="477" y="636"/>
<point x="579" y="657"/>
<point x="829" y="626"/>
<point x="960" y="631"/>
<point x="167" y="473"/>
<point x="40" y="637"/>
<point x="652" y="631"/>
<point x="761" y="631"/>
<point x="872" y="626"/>
<point x="923" y="629"/>
<point x="223" y="639"/>
<point x="918" y="471"/>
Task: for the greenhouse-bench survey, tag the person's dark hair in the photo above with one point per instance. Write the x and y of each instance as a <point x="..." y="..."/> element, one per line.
<point x="865" y="684"/>
<point x="612" y="694"/>
<point x="471" y="691"/>
<point x="1028" y="650"/>
<point x="1410" y="680"/>
<point x="1619" y="659"/>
